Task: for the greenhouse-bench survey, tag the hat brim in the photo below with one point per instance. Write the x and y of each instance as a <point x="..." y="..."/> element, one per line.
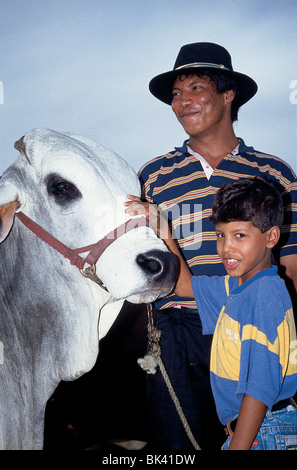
<point x="161" y="85"/>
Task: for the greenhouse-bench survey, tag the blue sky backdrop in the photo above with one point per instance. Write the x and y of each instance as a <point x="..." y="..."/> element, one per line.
<point x="84" y="66"/>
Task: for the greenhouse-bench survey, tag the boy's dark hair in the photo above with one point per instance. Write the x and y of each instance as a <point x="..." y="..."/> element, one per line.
<point x="222" y="83"/>
<point x="251" y="200"/>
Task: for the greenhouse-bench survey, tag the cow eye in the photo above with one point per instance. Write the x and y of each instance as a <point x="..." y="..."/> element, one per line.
<point x="63" y="191"/>
<point x="62" y="187"/>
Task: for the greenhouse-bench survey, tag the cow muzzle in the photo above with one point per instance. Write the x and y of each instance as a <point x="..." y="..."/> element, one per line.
<point x="156" y="264"/>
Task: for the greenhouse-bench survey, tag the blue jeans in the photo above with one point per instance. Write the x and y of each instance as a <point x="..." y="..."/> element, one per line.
<point x="278" y="431"/>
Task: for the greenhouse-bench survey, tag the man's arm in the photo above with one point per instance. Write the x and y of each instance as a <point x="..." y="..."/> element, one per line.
<point x="135" y="206"/>
<point x="251" y="415"/>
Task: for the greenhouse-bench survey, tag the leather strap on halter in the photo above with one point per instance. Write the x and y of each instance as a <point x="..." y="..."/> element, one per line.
<point x="95" y="250"/>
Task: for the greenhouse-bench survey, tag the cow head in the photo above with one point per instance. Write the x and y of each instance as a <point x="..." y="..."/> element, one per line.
<point x="75" y="189"/>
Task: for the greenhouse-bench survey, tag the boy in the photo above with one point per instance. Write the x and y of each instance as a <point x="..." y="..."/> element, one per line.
<point x="249" y="311"/>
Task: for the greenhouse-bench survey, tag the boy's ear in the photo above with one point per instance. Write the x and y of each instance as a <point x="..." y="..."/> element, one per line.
<point x="273" y="235"/>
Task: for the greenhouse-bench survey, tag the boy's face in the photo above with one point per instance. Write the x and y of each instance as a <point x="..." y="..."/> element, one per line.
<point x="244" y="249"/>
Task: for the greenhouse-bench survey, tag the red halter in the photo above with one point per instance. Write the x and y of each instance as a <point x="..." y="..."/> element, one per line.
<point x="95" y="250"/>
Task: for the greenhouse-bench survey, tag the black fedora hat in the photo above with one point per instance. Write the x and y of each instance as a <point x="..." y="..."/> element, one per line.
<point x="197" y="57"/>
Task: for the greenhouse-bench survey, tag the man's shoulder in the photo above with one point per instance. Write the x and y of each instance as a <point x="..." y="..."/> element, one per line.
<point x="263" y="159"/>
<point x="161" y="159"/>
<point x="264" y="155"/>
<point x="164" y="160"/>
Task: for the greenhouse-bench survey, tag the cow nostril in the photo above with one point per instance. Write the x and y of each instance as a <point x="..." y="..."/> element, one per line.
<point x="158" y="264"/>
<point x="149" y="263"/>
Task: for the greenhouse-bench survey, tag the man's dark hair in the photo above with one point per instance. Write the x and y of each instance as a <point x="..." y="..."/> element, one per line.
<point x="222" y="83"/>
<point x="251" y="200"/>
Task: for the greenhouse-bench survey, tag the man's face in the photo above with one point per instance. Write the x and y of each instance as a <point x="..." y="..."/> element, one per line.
<point x="198" y="106"/>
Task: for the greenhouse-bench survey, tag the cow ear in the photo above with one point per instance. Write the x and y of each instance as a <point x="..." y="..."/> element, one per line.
<point x="7" y="212"/>
<point x="20" y="145"/>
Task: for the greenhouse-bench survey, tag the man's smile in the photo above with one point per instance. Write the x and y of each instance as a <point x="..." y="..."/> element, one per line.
<point x="189" y="113"/>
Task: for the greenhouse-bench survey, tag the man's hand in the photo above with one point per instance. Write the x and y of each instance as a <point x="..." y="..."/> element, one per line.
<point x="160" y="225"/>
<point x="157" y="221"/>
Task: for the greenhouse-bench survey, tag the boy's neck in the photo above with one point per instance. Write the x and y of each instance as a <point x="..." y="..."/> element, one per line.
<point x="242" y="280"/>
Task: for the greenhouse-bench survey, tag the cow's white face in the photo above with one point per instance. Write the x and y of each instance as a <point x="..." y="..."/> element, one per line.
<point x="75" y="189"/>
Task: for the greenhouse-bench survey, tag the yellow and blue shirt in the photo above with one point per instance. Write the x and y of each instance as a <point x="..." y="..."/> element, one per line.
<point x="177" y="183"/>
<point x="254" y="347"/>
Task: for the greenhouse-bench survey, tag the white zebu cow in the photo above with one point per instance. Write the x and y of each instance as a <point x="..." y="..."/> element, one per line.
<point x="49" y="312"/>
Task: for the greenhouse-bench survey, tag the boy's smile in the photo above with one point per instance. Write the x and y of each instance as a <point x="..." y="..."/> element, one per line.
<point x="244" y="249"/>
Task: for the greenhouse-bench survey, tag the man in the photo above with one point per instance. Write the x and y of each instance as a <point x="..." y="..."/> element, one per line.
<point x="205" y="94"/>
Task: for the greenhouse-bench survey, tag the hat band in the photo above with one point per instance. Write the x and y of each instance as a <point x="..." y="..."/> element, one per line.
<point x="202" y="64"/>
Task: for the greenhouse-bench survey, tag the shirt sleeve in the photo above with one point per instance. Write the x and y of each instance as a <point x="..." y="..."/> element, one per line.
<point x="210" y="296"/>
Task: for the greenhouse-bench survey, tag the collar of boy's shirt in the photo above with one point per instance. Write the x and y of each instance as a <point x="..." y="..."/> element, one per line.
<point x="207" y="168"/>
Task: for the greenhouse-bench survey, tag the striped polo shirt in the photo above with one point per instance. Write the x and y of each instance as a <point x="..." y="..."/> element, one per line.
<point x="177" y="183"/>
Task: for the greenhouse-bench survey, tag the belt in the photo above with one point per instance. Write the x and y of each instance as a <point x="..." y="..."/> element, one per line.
<point x="283" y="404"/>
<point x="230" y="427"/>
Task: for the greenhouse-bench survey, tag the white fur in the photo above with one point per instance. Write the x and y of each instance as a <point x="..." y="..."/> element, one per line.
<point x="48" y="311"/>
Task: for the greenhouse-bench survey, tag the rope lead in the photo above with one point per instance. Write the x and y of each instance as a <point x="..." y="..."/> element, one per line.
<point x="152" y="360"/>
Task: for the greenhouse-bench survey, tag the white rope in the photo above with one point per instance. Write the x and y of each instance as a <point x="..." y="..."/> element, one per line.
<point x="150" y="362"/>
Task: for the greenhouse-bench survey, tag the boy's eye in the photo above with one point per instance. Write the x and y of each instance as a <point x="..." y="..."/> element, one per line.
<point x="220" y="235"/>
<point x="240" y="235"/>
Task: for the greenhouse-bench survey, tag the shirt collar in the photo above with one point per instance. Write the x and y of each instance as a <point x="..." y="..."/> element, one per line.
<point x="207" y="168"/>
<point x="265" y="273"/>
<point x="241" y="149"/>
